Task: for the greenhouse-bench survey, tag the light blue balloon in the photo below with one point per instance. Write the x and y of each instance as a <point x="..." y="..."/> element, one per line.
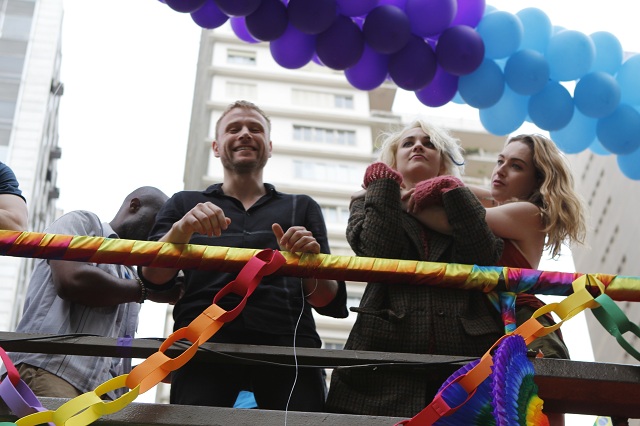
<point x="576" y="136"/>
<point x="526" y="72"/>
<point x="457" y="99"/>
<point x="537" y="29"/>
<point x="597" y="148"/>
<point x="609" y="53"/>
<point x="552" y="107"/>
<point x="507" y="115"/>
<point x="570" y="55"/>
<point x="483" y="87"/>
<point x="501" y="32"/>
<point x="597" y="94"/>
<point x="630" y="164"/>
<point x="628" y="80"/>
<point x="619" y="132"/>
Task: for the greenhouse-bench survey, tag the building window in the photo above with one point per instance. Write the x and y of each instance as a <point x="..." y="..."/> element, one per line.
<point x="338" y="215"/>
<point x="241" y="57"/>
<point x="343" y="101"/>
<point x="237" y="90"/>
<point x="326" y="172"/>
<point x="323" y="135"/>
<point x="321" y="100"/>
<point x="334" y="345"/>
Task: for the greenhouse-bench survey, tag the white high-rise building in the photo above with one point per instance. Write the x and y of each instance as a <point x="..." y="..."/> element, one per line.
<point x="30" y="91"/>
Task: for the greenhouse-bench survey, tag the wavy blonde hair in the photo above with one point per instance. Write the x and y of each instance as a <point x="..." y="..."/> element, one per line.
<point x="448" y="146"/>
<point x="562" y="209"/>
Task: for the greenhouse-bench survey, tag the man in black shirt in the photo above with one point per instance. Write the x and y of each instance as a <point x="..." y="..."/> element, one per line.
<point x="245" y="212"/>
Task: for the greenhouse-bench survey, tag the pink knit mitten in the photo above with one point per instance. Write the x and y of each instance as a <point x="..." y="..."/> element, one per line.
<point x="380" y="170"/>
<point x="429" y="192"/>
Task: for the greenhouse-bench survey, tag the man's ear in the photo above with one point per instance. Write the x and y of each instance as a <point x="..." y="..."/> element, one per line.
<point x="134" y="205"/>
<point x="270" y="148"/>
<point x="216" y="152"/>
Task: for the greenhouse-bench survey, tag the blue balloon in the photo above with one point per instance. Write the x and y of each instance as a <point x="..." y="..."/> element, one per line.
<point x="312" y="17"/>
<point x="469" y="13"/>
<point x="537" y="29"/>
<point x="628" y="80"/>
<point x="386" y="29"/>
<point x="239" y="27"/>
<point x="507" y="115"/>
<point x="619" y="132"/>
<point x="356" y="7"/>
<point x="430" y="17"/>
<point x="269" y="21"/>
<point x="597" y="94"/>
<point x="597" y="148"/>
<point x="460" y="50"/>
<point x="484" y="87"/>
<point x="184" y="6"/>
<point x="414" y="66"/>
<point x="609" y="53"/>
<point x="294" y="49"/>
<point x="370" y="71"/>
<point x="341" y="45"/>
<point x="440" y="91"/>
<point x="629" y="165"/>
<point x="552" y="107"/>
<point x="570" y="55"/>
<point x="526" y="72"/>
<point x="209" y="16"/>
<point x="237" y="7"/>
<point x="502" y="34"/>
<point x="576" y="136"/>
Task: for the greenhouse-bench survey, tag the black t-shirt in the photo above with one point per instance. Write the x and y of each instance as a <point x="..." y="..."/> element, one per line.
<point x="275" y="305"/>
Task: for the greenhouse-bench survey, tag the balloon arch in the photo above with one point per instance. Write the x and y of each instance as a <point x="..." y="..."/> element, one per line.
<point x="511" y="67"/>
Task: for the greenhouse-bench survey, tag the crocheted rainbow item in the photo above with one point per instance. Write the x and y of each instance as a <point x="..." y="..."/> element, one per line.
<point x="509" y="396"/>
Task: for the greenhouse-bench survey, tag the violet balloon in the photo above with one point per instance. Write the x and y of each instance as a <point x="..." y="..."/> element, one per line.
<point x="237" y="7"/>
<point x="430" y="17"/>
<point x="469" y="13"/>
<point x="460" y="50"/>
<point x="414" y="66"/>
<point x="341" y="45"/>
<point x="356" y="7"/>
<point x="184" y="6"/>
<point x="294" y="49"/>
<point x="312" y="16"/>
<point x="370" y="71"/>
<point x="209" y="16"/>
<point x="239" y="27"/>
<point x="386" y="29"/>
<point x="269" y="21"/>
<point x="440" y="91"/>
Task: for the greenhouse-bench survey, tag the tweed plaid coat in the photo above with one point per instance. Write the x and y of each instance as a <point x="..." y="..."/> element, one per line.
<point x="412" y="318"/>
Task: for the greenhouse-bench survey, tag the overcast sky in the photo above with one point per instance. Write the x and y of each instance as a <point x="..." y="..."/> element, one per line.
<point x="128" y="67"/>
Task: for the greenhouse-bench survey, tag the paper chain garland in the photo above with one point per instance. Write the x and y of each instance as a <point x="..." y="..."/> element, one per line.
<point x="89" y="407"/>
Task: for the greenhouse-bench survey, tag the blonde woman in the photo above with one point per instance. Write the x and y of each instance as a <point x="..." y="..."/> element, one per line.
<point x="415" y="318"/>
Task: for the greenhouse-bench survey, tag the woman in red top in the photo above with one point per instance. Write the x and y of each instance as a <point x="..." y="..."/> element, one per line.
<point x="533" y="206"/>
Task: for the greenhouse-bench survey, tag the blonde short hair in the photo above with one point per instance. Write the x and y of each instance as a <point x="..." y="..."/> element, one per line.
<point x="448" y="146"/>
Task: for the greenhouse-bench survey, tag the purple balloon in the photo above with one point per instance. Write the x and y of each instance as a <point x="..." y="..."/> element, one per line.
<point x="356" y="7"/>
<point x="184" y="6"/>
<point x="386" y="29"/>
<point x="269" y="21"/>
<point x="440" y="91"/>
<point x="209" y="16"/>
<point x="469" y="13"/>
<point x="341" y="45"/>
<point x="413" y="67"/>
<point x="239" y="28"/>
<point x="312" y="16"/>
<point x="460" y="50"/>
<point x="402" y="4"/>
<point x="237" y="7"/>
<point x="370" y="71"/>
<point x="294" y="49"/>
<point x="430" y="17"/>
